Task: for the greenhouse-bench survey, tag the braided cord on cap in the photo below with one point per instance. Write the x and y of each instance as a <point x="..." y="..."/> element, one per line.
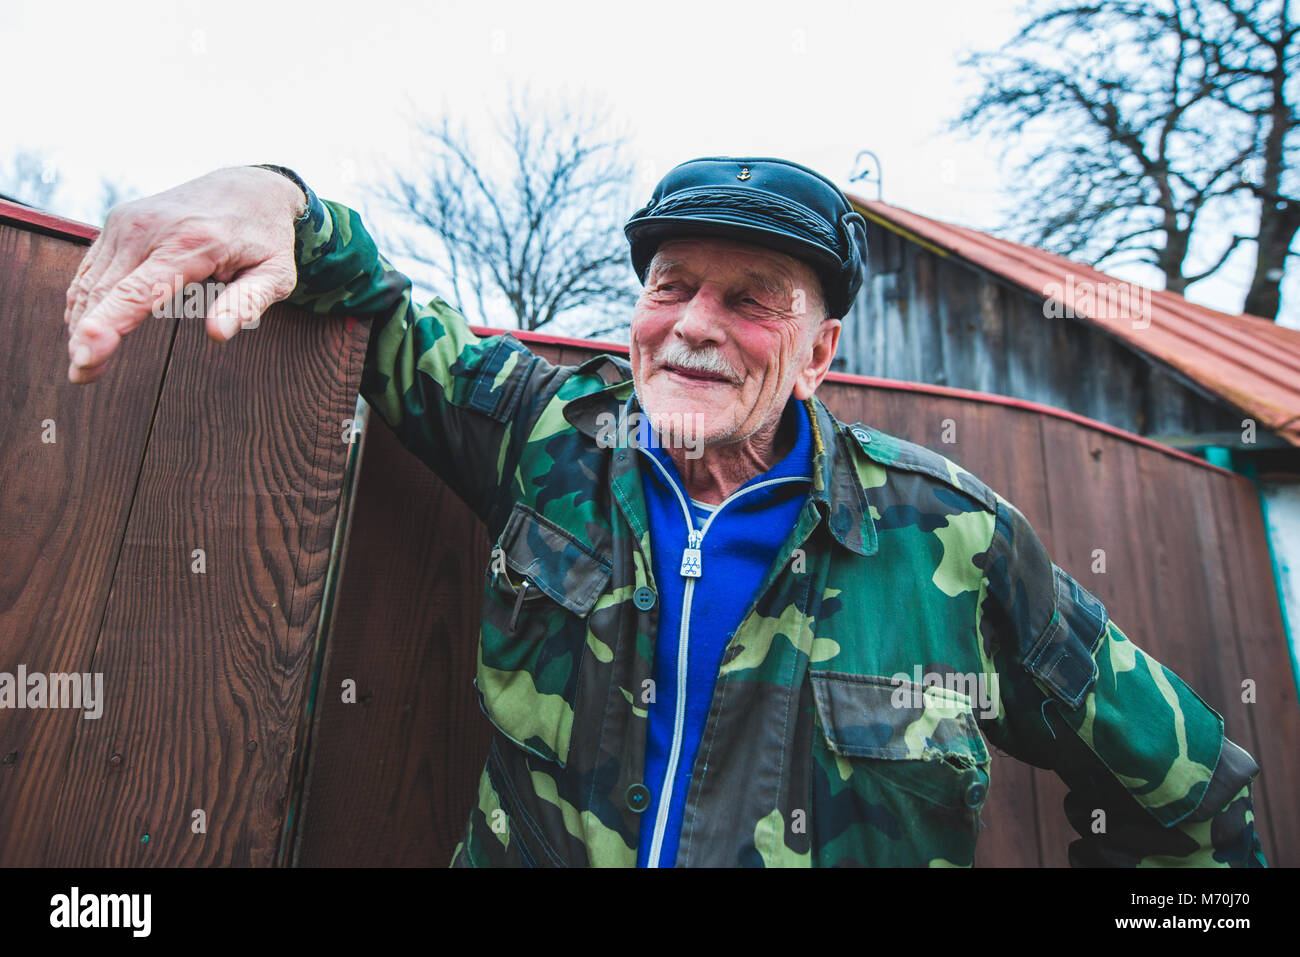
<point x="776" y="210"/>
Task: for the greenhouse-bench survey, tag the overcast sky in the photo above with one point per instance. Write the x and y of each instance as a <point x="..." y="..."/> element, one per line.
<point x="152" y="94"/>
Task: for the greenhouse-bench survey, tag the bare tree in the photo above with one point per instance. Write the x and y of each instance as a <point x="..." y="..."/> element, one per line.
<point x="1256" y="60"/>
<point x="1134" y="122"/>
<point x="535" y="219"/>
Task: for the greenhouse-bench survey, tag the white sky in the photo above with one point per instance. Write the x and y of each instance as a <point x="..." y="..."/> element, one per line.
<point x="154" y="93"/>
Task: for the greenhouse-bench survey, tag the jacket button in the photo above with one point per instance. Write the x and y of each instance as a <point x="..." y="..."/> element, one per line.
<point x="644" y="598"/>
<point x="638" y="797"/>
<point x="862" y="435"/>
<point x="975" y="795"/>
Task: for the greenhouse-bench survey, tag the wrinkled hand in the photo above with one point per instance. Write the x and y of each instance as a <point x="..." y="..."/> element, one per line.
<point x="232" y="225"/>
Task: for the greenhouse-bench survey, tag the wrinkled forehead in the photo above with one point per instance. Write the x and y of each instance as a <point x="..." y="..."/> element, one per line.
<point x="728" y="258"/>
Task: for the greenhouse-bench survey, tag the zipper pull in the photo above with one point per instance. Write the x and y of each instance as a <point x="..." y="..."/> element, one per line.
<point x="519" y="603"/>
<point x="691" y="555"/>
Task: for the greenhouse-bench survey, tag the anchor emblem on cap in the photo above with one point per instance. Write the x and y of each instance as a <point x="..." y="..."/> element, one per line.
<point x="744" y="173"/>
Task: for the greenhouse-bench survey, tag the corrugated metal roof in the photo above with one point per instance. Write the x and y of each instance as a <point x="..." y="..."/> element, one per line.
<point x="1250" y="362"/>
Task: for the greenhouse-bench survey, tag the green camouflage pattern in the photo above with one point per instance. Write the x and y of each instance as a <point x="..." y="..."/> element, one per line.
<point x="827" y="742"/>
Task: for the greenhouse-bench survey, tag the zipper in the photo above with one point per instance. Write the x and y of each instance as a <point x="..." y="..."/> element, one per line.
<point x="691" y="570"/>
<point x="691" y="560"/>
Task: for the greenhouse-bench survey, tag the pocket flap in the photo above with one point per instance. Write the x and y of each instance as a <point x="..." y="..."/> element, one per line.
<point x="871" y="716"/>
<point x="564" y="568"/>
<point x="1062" y="659"/>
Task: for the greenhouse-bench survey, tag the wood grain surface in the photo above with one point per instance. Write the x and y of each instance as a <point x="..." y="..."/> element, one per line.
<point x="237" y="450"/>
<point x="63" y="511"/>
<point x="393" y="775"/>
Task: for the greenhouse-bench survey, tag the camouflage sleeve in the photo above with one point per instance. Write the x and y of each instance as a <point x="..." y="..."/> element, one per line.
<point x="1153" y="780"/>
<point x="461" y="403"/>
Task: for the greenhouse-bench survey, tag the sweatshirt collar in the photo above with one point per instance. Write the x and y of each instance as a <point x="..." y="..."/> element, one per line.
<point x="795" y="463"/>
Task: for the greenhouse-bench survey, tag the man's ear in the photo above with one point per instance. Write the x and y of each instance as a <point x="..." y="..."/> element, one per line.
<point x="825" y="339"/>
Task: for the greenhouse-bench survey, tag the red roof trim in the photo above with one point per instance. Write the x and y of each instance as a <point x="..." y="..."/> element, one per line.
<point x="542" y="338"/>
<point x="19" y="215"/>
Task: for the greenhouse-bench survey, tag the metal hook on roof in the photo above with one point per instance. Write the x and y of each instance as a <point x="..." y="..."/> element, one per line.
<point x="866" y="175"/>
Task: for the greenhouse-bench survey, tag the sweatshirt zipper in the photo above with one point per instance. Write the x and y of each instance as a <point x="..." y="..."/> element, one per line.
<point x="691" y="569"/>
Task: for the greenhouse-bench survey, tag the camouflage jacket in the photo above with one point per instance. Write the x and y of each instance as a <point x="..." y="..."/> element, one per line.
<point x="912" y="620"/>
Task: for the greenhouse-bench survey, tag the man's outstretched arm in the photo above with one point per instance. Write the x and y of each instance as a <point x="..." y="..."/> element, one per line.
<point x="1153" y="779"/>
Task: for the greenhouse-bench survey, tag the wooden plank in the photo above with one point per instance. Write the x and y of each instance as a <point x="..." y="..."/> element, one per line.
<point x="393" y="776"/>
<point x="1265" y="660"/>
<point x="63" y="512"/>
<point x="1159" y="586"/>
<point x="207" y="674"/>
<point x="406" y="632"/>
<point x="1224" y="624"/>
<point x="1201" y="638"/>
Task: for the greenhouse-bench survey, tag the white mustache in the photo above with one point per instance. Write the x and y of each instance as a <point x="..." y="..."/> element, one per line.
<point x="709" y="360"/>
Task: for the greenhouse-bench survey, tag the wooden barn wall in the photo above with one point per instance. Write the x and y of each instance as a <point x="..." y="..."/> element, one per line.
<point x="1187" y="577"/>
<point x="237" y="450"/>
<point x="923" y="317"/>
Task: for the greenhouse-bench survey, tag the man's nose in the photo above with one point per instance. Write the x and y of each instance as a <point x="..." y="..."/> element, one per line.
<point x="703" y="318"/>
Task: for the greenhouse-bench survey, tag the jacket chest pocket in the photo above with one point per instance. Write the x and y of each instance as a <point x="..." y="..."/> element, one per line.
<point x="541" y="586"/>
<point x="900" y="772"/>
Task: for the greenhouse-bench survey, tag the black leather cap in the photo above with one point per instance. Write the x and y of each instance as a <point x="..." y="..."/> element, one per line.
<point x="770" y="202"/>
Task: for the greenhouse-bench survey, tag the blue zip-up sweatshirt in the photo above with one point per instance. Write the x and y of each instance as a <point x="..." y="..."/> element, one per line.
<point x="741" y="538"/>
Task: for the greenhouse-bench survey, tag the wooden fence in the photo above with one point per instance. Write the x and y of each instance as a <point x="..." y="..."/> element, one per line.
<point x="169" y="527"/>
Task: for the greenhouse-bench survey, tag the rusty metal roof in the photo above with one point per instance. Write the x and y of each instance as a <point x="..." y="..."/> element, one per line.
<point x="1251" y="362"/>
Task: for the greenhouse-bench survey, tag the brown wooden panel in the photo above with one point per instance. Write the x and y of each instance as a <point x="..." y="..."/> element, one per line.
<point x="1264" y="660"/>
<point x="207" y="675"/>
<point x="1223" y="623"/>
<point x="394" y="775"/>
<point x="392" y="778"/>
<point x="63" y="510"/>
<point x="236" y="450"/>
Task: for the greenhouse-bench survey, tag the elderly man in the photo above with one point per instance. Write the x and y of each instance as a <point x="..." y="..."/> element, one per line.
<point x="702" y="631"/>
